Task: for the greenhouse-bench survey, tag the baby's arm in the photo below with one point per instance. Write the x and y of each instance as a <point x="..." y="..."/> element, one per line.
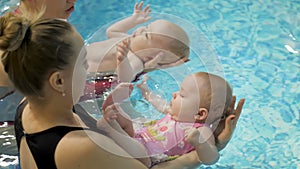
<point x="113" y="129"/>
<point x="157" y="101"/>
<point x="204" y="142"/>
<point x="139" y="16"/>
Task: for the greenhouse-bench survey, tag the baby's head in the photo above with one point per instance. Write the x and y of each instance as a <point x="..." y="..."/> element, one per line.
<point x="203" y="98"/>
<point x="161" y="36"/>
<point x="40" y="56"/>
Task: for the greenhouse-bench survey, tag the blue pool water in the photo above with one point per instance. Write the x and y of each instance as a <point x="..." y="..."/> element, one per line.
<point x="254" y="44"/>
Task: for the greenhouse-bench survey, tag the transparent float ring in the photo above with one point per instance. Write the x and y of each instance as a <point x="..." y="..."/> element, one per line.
<point x="202" y="58"/>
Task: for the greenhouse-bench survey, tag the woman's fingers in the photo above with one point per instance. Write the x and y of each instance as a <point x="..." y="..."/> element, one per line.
<point x="229" y="126"/>
<point x="231" y="106"/>
<point x="232" y="119"/>
<point x="238" y="110"/>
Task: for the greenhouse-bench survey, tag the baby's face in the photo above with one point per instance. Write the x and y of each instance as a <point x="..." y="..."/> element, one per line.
<point x="185" y="102"/>
<point x="148" y="41"/>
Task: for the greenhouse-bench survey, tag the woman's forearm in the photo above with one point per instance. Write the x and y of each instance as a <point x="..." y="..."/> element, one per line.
<point x="186" y="161"/>
<point x="211" y="154"/>
<point x="130" y="145"/>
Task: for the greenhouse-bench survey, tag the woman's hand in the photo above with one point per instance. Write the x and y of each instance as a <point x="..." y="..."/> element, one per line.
<point x="141" y="15"/>
<point x="226" y="127"/>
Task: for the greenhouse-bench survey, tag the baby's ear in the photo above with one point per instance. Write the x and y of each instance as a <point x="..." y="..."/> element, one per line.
<point x="201" y="115"/>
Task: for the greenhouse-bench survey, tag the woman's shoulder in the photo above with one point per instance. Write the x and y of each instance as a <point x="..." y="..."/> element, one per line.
<point x="90" y="149"/>
<point x="85" y="140"/>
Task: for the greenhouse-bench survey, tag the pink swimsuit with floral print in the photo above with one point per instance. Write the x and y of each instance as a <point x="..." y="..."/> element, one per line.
<point x="166" y="136"/>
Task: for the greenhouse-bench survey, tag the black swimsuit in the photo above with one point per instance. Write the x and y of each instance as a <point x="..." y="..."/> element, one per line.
<point x="43" y="144"/>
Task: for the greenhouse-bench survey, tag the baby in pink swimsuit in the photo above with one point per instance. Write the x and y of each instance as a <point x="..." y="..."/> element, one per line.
<point x="201" y="102"/>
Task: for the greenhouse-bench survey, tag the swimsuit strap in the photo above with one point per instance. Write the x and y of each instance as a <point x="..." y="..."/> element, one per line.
<point x="43" y="144"/>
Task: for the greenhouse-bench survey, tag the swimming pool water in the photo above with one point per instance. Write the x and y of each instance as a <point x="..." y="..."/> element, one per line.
<point x="256" y="43"/>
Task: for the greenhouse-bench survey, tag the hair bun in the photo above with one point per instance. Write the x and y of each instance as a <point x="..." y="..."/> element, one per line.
<point x="12" y="31"/>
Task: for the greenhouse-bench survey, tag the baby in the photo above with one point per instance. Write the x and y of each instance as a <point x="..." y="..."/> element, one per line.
<point x="202" y="101"/>
<point x="160" y="44"/>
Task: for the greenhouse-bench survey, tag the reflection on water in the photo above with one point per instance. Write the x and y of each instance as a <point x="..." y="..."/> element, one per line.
<point x="258" y="45"/>
<point x="8" y="150"/>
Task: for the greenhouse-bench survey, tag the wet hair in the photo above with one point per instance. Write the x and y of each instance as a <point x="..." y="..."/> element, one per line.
<point x="217" y="94"/>
<point x="33" y="50"/>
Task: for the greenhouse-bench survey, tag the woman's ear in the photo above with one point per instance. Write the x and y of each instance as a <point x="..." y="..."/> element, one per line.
<point x="201" y="114"/>
<point x="57" y="82"/>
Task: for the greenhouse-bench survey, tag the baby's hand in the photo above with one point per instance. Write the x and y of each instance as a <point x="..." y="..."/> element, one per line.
<point x="140" y="14"/>
<point x="198" y="136"/>
<point x="192" y="136"/>
<point x="122" y="50"/>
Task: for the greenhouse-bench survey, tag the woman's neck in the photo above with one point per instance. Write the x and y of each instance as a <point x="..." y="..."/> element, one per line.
<point x="52" y="111"/>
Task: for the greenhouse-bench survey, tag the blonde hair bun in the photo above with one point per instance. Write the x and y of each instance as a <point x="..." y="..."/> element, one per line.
<point x="12" y="31"/>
